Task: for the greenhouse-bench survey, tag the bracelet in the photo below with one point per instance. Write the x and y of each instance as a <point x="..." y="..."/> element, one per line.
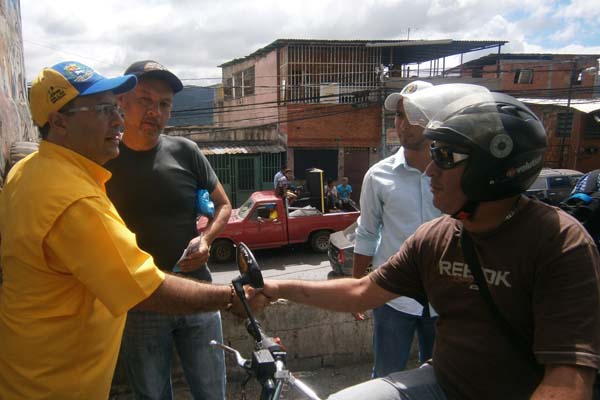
<point x="230" y="304"/>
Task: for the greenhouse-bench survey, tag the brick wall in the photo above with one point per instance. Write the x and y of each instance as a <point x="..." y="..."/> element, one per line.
<point x="344" y="126"/>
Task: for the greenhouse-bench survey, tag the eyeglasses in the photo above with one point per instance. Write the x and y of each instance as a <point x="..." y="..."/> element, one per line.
<point x="446" y="157"/>
<point x="106" y="110"/>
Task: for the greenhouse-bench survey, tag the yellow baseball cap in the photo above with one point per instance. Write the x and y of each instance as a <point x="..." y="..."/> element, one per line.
<point x="57" y="85"/>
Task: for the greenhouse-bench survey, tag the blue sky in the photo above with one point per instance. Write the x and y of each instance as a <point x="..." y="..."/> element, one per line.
<point x="192" y="37"/>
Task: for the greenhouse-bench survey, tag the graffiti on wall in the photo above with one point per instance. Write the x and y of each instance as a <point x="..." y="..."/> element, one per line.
<point x="15" y="119"/>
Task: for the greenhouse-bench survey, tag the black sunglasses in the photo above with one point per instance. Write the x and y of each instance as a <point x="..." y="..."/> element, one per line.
<point x="446" y="157"/>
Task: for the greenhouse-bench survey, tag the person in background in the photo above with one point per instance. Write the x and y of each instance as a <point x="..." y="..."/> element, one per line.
<point x="344" y="190"/>
<point x="285" y="185"/>
<point x="280" y="174"/>
<point x="72" y="268"/>
<point x="395" y="200"/>
<point x="155" y="182"/>
<point x="331" y="195"/>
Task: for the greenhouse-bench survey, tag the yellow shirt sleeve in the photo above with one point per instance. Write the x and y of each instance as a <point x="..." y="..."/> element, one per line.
<point x="91" y="242"/>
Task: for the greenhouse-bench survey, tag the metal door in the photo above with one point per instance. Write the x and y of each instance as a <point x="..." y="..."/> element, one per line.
<point x="247" y="178"/>
<point x="356" y="164"/>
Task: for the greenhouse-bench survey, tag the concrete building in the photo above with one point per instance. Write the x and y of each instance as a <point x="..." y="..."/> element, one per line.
<point x="324" y="97"/>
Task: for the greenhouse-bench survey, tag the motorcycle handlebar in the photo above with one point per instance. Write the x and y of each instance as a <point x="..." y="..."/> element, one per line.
<point x="265" y="341"/>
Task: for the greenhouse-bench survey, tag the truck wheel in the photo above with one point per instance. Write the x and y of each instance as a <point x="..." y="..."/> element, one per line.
<point x="222" y="251"/>
<point x="19" y="150"/>
<point x="319" y="241"/>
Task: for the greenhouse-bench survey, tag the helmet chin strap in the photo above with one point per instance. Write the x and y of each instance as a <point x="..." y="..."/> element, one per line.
<point x="466" y="211"/>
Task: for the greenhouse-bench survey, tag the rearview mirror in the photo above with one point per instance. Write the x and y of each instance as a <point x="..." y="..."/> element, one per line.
<point x="248" y="267"/>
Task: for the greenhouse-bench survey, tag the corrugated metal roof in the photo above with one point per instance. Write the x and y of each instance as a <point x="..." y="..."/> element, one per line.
<point x="583" y="105"/>
<point x="405" y="51"/>
<point x="214" y="150"/>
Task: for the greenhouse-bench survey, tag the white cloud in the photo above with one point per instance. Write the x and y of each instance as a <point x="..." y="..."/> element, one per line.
<point x="567" y="33"/>
<point x="192" y="37"/>
<point x="584" y="9"/>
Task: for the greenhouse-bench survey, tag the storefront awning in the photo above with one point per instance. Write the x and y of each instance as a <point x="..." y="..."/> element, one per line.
<point x="214" y="150"/>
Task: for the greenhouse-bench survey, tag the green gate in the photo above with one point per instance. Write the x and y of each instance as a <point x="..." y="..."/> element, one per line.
<point x="243" y="174"/>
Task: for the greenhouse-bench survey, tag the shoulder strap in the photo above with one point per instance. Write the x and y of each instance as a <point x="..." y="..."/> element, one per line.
<point x="505" y="327"/>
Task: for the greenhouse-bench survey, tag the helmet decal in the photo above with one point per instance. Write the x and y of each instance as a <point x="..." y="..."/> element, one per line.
<point x="501" y="145"/>
<point x="411" y="88"/>
<point x="524" y="167"/>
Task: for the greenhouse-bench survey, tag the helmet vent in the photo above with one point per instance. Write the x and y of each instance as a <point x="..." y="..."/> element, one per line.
<point x="501" y="145"/>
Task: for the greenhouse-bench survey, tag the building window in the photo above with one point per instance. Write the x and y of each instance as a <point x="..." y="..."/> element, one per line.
<point x="331" y="74"/>
<point x="523" y="76"/>
<point x="228" y="89"/>
<point x="248" y="88"/>
<point x="237" y="85"/>
<point x="591" y="125"/>
<point x="564" y="122"/>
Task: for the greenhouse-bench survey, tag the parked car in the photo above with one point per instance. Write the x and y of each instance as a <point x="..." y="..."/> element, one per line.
<point x="554" y="185"/>
<point x="341" y="250"/>
<point x="264" y="222"/>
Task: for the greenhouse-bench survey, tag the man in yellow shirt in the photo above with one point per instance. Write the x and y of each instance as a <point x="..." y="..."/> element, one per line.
<point x="71" y="268"/>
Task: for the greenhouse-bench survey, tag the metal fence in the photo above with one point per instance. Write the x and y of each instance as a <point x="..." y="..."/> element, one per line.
<point x="242" y="174"/>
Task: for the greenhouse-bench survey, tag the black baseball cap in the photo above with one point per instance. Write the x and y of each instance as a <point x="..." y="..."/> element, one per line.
<point x="152" y="69"/>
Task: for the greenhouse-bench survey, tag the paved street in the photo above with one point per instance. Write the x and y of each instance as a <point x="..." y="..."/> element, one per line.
<point x="291" y="262"/>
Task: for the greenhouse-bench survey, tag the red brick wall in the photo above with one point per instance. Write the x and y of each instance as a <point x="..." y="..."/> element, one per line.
<point x="354" y="127"/>
<point x="551" y="79"/>
<point x="573" y="156"/>
<point x="554" y="74"/>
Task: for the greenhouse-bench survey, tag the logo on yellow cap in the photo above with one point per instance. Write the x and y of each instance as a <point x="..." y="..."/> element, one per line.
<point x="55" y="93"/>
<point x="77" y="72"/>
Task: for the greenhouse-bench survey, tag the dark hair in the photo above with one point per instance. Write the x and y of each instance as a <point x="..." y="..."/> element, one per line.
<point x="45" y="130"/>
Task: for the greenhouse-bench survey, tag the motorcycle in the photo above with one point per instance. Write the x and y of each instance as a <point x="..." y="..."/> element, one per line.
<point x="268" y="363"/>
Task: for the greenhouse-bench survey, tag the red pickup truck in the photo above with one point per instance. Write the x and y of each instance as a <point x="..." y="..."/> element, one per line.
<point x="263" y="222"/>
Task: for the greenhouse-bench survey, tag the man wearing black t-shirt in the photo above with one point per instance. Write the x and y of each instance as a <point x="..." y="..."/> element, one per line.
<point x="154" y="187"/>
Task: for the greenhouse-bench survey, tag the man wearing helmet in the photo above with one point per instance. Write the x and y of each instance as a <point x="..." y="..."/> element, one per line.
<point x="541" y="269"/>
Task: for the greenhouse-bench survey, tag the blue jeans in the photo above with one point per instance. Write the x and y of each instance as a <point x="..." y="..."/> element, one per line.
<point x="147" y="350"/>
<point x="393" y="333"/>
<point x="414" y="384"/>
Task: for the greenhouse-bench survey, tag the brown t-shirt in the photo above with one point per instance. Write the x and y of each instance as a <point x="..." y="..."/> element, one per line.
<point x="542" y="271"/>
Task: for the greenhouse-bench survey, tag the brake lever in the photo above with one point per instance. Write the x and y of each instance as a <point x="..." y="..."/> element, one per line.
<point x="241" y="361"/>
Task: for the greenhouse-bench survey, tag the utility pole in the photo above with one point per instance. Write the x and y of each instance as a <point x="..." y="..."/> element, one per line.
<point x="569" y="117"/>
<point x="408" y="32"/>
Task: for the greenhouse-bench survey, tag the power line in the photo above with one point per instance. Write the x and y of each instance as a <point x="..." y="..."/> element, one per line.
<point x="229" y="129"/>
<point x="64" y="51"/>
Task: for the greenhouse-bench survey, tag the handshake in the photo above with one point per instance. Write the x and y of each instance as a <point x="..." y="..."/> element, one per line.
<point x="249" y="291"/>
<point x="256" y="299"/>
